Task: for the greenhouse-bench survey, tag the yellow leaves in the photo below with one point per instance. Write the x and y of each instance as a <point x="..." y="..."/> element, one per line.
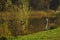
<point x="4" y="31"/>
<point x="16" y="16"/>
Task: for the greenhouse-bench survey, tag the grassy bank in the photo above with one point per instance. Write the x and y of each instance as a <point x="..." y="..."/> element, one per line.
<point x="45" y="35"/>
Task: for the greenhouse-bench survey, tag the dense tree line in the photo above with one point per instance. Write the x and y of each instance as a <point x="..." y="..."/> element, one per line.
<point x="44" y="4"/>
<point x="35" y="4"/>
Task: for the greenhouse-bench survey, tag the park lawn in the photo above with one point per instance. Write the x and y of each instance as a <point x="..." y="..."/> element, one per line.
<point x="53" y="34"/>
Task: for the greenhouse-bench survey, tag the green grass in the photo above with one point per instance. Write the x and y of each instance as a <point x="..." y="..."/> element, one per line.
<point x="45" y="35"/>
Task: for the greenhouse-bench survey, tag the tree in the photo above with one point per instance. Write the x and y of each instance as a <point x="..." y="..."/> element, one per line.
<point x="19" y="18"/>
<point x="25" y="14"/>
<point x="18" y="15"/>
